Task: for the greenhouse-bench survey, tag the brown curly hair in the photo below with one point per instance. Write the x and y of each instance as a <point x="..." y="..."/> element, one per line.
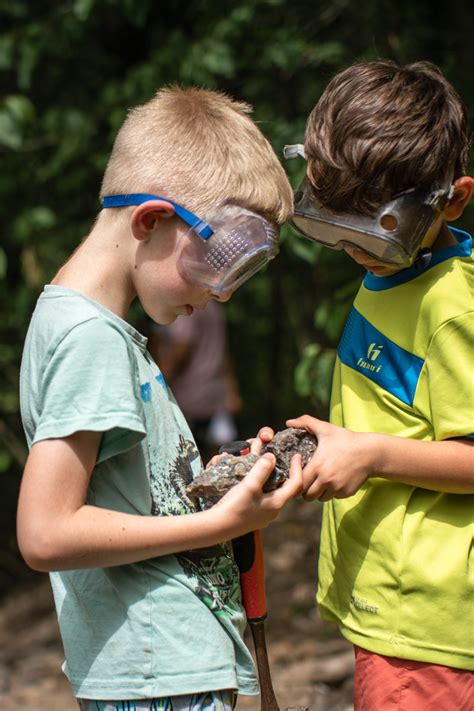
<point x="379" y="129"/>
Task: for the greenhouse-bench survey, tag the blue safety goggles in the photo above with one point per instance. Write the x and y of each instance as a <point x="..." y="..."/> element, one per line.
<point x="242" y="243"/>
<point x="201" y="227"/>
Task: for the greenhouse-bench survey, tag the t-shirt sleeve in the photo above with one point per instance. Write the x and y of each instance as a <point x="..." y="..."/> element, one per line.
<point x="450" y="378"/>
<point x="91" y="382"/>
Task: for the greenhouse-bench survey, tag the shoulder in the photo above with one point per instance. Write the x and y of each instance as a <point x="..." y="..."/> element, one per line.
<point x="435" y="295"/>
<point x="447" y="295"/>
<point x="69" y="327"/>
<point x="60" y="312"/>
<point x="411" y="314"/>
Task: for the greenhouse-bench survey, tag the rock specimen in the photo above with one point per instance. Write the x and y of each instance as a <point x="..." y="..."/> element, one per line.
<point x="216" y="480"/>
<point x="284" y="445"/>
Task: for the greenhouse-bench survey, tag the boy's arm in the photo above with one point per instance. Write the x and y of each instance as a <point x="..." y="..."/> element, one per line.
<point x="57" y="530"/>
<point x="344" y="460"/>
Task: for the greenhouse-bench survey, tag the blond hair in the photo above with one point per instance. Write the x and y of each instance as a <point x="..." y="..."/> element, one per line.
<point x="201" y="149"/>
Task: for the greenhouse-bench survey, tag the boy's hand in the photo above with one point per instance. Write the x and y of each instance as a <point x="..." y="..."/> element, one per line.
<point x="257" y="443"/>
<point x="341" y="463"/>
<point x="247" y="508"/>
<point x="265" y="435"/>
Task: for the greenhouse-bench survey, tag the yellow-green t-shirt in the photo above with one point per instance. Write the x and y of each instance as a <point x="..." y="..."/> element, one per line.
<point x="396" y="569"/>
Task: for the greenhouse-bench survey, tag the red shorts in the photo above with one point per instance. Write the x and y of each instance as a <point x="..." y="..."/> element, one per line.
<point x="392" y="684"/>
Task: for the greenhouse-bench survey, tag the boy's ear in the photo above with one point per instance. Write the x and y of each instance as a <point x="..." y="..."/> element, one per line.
<point x="463" y="188"/>
<point x="146" y="216"/>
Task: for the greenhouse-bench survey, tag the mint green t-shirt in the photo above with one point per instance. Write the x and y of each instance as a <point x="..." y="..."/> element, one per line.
<point x="169" y="625"/>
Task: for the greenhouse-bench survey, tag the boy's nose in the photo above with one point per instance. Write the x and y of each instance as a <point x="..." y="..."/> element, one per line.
<point x="223" y="297"/>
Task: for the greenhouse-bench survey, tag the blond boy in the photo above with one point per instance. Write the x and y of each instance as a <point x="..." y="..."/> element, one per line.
<point x="146" y="588"/>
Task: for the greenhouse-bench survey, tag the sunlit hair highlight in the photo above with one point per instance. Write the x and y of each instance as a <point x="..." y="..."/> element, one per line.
<point x="199" y="148"/>
<point x="379" y="129"/>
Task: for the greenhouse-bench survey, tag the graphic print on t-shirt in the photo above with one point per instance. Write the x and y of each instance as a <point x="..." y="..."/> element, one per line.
<point x="218" y="577"/>
<point x="168" y="489"/>
<point x="212" y="571"/>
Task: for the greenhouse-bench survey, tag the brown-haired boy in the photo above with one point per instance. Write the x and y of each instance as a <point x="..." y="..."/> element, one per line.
<point x="147" y="592"/>
<point x="387" y="150"/>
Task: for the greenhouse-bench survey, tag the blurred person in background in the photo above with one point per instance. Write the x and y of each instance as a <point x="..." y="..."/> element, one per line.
<point x="193" y="356"/>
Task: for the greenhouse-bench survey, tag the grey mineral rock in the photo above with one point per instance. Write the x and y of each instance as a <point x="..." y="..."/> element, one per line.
<point x="216" y="480"/>
<point x="284" y="445"/>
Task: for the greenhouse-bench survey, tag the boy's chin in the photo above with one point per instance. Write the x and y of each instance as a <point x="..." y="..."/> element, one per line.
<point x="382" y="270"/>
<point x="167" y="317"/>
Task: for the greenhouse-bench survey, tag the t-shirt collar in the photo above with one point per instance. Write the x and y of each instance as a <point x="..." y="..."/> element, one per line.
<point x="462" y="248"/>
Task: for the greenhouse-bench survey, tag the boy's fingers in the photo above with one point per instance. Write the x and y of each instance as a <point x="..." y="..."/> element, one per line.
<point x="317" y="491"/>
<point x="260" y="472"/>
<point x="311" y="494"/>
<point x="296" y="475"/>
<point x="215" y="459"/>
<point x="325" y="496"/>
<point x="266" y="434"/>
<point x="310" y="472"/>
<point x="256" y="445"/>
<point x="295" y="466"/>
<point x="293" y="486"/>
<point x="308" y="423"/>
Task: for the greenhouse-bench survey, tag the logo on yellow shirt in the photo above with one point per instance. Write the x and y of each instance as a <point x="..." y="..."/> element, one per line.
<point x="373" y="352"/>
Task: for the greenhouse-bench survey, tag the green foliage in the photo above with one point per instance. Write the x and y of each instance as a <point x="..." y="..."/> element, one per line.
<point x="69" y="72"/>
<point x="313" y="372"/>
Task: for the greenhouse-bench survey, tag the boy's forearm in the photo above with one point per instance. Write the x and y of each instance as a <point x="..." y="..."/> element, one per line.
<point x="446" y="466"/>
<point x="93" y="537"/>
<point x="58" y="531"/>
<point x="345" y="459"/>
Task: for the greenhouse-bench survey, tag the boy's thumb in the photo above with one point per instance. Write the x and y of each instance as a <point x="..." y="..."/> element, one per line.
<point x="262" y="469"/>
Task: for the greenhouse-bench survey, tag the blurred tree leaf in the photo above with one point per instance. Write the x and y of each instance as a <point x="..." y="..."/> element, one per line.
<point x="3" y="263"/>
<point x="10" y="132"/>
<point x="5" y="460"/>
<point x="83" y="8"/>
<point x="313" y="373"/>
<point x="31" y="220"/>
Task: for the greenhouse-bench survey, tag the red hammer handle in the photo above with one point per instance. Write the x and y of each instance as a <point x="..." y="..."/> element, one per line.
<point x="248" y="554"/>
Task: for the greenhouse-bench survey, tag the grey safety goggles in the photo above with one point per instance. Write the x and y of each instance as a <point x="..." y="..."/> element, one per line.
<point x="394" y="234"/>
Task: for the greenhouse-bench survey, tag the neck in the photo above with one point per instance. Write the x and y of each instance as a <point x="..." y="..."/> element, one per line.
<point x="100" y="267"/>
<point x="441" y="239"/>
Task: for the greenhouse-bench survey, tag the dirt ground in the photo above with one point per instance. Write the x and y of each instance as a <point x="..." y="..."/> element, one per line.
<point x="311" y="664"/>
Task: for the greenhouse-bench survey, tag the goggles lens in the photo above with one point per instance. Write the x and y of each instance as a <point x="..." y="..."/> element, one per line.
<point x="242" y="243"/>
<point x="393" y="235"/>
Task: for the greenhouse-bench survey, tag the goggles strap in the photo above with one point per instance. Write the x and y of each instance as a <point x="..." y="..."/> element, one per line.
<point x="423" y="259"/>
<point x="294" y="150"/>
<point x="202" y="228"/>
